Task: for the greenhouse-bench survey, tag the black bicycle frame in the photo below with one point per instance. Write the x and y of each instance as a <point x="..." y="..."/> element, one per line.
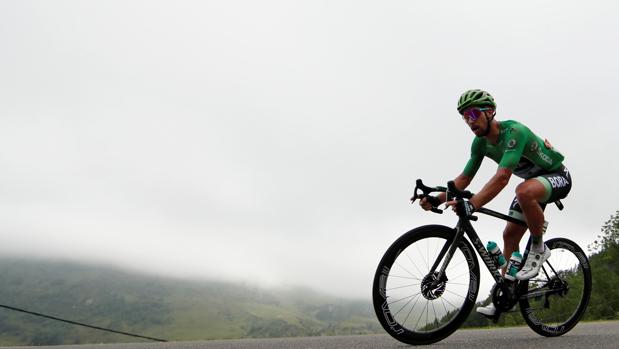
<point x="464" y="227"/>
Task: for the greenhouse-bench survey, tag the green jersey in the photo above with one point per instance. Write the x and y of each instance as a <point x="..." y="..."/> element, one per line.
<point x="518" y="149"/>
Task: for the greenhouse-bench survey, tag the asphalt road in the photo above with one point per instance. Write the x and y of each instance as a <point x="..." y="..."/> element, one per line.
<point x="584" y="335"/>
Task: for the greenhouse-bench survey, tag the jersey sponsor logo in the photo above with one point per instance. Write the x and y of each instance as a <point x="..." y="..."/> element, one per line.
<point x="511" y="144"/>
<point x="534" y="146"/>
<point x="543" y="156"/>
<point x="558" y="182"/>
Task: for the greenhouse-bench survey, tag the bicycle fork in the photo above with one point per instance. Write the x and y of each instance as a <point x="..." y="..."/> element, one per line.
<point x="445" y="255"/>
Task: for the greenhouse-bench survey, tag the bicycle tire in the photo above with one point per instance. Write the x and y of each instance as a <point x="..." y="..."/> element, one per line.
<point x="567" y="263"/>
<point x="464" y="261"/>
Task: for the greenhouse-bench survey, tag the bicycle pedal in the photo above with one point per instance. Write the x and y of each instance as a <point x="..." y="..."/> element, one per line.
<point x="495" y="318"/>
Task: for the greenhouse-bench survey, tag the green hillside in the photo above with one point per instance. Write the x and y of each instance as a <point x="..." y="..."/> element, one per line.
<point x="161" y="308"/>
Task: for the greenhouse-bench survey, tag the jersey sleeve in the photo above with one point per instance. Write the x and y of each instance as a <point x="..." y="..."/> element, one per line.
<point x="514" y="147"/>
<point x="477" y="156"/>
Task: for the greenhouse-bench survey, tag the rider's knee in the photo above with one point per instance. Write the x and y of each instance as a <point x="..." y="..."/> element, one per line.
<point x="524" y="193"/>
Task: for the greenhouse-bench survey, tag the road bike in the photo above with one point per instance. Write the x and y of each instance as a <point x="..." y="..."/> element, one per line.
<point x="427" y="282"/>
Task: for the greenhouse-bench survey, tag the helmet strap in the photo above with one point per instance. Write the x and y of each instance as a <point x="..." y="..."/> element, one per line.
<point x="489" y="124"/>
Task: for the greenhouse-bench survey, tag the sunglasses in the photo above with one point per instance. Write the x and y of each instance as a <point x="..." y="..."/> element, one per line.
<point x="473" y="113"/>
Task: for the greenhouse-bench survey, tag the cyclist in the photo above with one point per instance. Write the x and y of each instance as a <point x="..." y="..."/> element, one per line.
<point x="517" y="151"/>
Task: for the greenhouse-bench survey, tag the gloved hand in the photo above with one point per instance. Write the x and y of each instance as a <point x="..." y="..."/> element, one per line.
<point x="462" y="207"/>
<point x="467" y="206"/>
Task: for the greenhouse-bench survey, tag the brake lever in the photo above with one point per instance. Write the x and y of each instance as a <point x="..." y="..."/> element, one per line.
<point x="435" y="202"/>
<point x="415" y="196"/>
<point x="434" y="209"/>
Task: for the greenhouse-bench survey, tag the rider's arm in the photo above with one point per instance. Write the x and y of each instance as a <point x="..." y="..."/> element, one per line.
<point x="492" y="188"/>
<point x="472" y="166"/>
<point x="461" y="182"/>
<point x="515" y="142"/>
<point x="464" y="179"/>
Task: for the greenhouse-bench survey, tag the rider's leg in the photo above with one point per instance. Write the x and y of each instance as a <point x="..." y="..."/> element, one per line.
<point x="529" y="194"/>
<point x="511" y="239"/>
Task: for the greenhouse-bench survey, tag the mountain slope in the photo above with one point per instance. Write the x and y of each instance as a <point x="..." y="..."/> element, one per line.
<point x="161" y="308"/>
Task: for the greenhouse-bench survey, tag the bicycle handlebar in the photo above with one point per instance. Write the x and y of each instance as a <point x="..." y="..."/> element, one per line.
<point x="425" y="193"/>
<point x="457" y="193"/>
<point x="451" y="191"/>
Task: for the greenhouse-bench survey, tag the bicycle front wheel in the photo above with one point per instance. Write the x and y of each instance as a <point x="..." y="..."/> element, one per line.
<point x="555" y="300"/>
<point x="411" y="304"/>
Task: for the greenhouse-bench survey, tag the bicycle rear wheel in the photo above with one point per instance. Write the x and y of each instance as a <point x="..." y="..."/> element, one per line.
<point x="407" y="305"/>
<point x="557" y="297"/>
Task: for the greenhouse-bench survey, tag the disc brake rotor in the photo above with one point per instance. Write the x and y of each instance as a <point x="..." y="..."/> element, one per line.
<point x="433" y="288"/>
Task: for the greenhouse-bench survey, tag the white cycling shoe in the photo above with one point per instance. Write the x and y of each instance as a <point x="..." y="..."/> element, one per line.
<point x="533" y="264"/>
<point x="489" y="310"/>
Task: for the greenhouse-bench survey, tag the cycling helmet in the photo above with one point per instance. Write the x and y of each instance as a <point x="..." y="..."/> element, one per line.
<point x="475" y="98"/>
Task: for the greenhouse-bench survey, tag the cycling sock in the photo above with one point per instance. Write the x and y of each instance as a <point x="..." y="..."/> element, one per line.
<point x="537" y="244"/>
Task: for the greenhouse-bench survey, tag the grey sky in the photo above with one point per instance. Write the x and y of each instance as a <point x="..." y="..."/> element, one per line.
<point x="278" y="141"/>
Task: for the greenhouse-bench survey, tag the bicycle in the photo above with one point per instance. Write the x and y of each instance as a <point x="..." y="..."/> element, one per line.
<point x="427" y="282"/>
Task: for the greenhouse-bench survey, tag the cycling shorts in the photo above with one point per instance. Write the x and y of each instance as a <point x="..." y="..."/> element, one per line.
<point x="558" y="184"/>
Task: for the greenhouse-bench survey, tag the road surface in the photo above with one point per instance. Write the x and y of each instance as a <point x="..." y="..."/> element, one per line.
<point x="585" y="335"/>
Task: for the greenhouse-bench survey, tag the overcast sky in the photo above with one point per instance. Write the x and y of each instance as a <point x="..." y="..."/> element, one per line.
<point x="278" y="142"/>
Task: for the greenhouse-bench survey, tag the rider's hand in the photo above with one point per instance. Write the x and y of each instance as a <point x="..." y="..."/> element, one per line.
<point x="468" y="206"/>
<point x="426" y="204"/>
<point x="452" y="204"/>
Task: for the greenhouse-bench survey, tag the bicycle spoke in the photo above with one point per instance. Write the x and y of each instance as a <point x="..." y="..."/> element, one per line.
<point x="406" y="270"/>
<point x="427" y="313"/>
<point x="401" y="299"/>
<point x="445" y="299"/>
<point x="444" y="306"/>
<point x="414" y="264"/>
<point x="399" y="287"/>
<point x="407" y="315"/>
<point x="420" y="316"/>
<point x="404" y="277"/>
<point x="455" y="294"/>
<point x="407" y="303"/>
<point x="461" y="275"/>
<point x="455" y="283"/>
<point x="452" y="267"/>
<point x="421" y="254"/>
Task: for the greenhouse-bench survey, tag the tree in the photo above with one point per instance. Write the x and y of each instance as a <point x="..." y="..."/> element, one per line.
<point x="609" y="239"/>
